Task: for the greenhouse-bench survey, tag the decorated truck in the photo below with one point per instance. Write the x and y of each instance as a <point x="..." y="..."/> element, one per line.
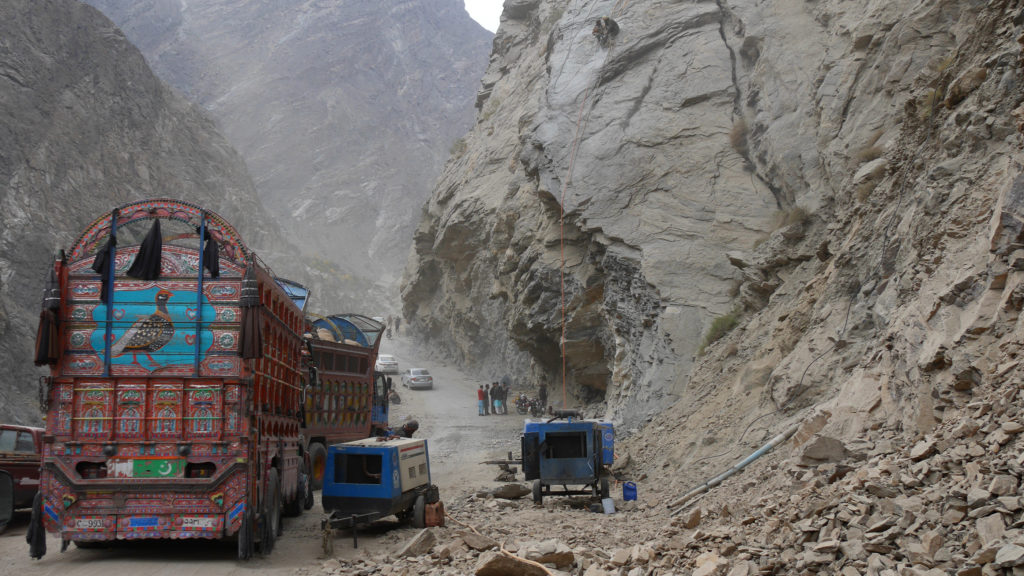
<point x="174" y="401"/>
<point x="345" y="400"/>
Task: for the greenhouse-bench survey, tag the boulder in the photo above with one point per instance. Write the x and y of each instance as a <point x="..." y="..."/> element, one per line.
<point x="420" y="544"/>
<point x="822" y="450"/>
<point x="552" y="552"/>
<point x="478" y="542"/>
<point x="499" y="564"/>
<point x="511" y="491"/>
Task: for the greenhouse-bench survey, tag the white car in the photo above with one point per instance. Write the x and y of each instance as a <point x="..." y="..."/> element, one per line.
<point x="386" y="364"/>
<point x="417" y="379"/>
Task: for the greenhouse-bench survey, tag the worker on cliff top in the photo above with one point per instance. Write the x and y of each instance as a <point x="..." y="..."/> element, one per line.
<point x="604" y="29"/>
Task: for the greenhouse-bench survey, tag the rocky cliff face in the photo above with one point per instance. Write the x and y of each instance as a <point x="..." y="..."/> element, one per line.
<point x="344" y="111"/>
<point x="825" y="175"/>
<point x="87" y="127"/>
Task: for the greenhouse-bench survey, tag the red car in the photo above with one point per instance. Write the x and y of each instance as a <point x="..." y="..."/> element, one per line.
<point x="20" y="448"/>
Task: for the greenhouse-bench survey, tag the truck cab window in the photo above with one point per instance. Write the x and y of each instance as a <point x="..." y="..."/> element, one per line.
<point x="25" y="443"/>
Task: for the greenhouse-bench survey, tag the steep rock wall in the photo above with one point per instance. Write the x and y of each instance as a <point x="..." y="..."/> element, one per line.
<point x="708" y="159"/>
<point x="87" y="127"/>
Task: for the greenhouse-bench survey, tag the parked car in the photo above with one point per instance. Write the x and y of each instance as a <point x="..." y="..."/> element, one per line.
<point x="386" y="364"/>
<point x="417" y="379"/>
<point x="20" y="448"/>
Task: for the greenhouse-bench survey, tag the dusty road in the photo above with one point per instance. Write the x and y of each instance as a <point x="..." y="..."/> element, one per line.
<point x="459" y="440"/>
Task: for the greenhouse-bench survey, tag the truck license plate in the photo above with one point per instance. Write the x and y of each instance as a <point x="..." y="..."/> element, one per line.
<point x="194" y="523"/>
<point x="89" y="523"/>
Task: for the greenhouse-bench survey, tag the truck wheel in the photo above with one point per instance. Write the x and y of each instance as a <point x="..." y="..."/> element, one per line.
<point x="604" y="488"/>
<point x="293" y="507"/>
<point x="318" y="460"/>
<point x="419" y="512"/>
<point x="271" y="513"/>
<point x="537" y="496"/>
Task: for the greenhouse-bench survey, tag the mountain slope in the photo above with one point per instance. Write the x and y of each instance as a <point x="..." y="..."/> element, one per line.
<point x="87" y="127"/>
<point x="344" y="111"/>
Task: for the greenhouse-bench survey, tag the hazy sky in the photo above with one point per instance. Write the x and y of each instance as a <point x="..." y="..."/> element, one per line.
<point x="486" y="12"/>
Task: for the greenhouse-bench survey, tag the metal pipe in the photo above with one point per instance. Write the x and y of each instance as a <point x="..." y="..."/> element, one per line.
<point x="109" y="289"/>
<point x="736" y="468"/>
<point x="199" y="295"/>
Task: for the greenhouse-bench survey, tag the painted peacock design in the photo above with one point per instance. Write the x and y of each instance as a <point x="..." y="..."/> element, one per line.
<point x="148" y="334"/>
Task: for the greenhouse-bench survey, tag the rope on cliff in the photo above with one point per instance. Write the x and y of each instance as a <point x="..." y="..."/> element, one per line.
<point x="581" y="124"/>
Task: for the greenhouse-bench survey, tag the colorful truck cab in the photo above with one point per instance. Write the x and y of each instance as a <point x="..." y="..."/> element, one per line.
<point x="174" y="396"/>
<point x="345" y="400"/>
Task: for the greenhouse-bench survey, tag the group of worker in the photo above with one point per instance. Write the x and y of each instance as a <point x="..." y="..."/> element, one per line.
<point x="492" y="398"/>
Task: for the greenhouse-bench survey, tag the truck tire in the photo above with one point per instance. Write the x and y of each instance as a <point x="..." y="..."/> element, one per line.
<point x="271" y="513"/>
<point x="293" y="507"/>
<point x="419" y="512"/>
<point x="538" y="497"/>
<point x="318" y="460"/>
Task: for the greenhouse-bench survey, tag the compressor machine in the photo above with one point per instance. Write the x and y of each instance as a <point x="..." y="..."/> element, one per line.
<point x="369" y="479"/>
<point x="563" y="452"/>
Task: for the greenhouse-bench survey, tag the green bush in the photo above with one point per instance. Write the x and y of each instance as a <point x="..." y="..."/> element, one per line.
<point x="719" y="327"/>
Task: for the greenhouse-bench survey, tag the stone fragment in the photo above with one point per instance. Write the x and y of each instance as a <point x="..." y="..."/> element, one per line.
<point x="990" y="528"/>
<point x="1008" y="556"/>
<point x="966" y="379"/>
<point x="621" y="556"/>
<point x="691" y="519"/>
<point x="641" y="554"/>
<point x="1003" y="485"/>
<point x="595" y="570"/>
<point x="1011" y="427"/>
<point x="969" y="571"/>
<point x="556" y="553"/>
<point x="931" y="541"/>
<point x="822" y="450"/>
<point x="826" y="546"/>
<point x="420" y="544"/>
<point x="881" y="490"/>
<point x="511" y="491"/>
<point x="853" y="549"/>
<point x="968" y="427"/>
<point x="499" y="564"/>
<point x="986" y="554"/>
<point x="977" y="497"/>
<point x="964" y="84"/>
<point x="478" y="542"/>
<point x="710" y="564"/>
<point x="923" y="449"/>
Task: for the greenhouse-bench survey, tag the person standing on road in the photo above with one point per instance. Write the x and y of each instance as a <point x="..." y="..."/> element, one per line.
<point x="504" y="396"/>
<point x="481" y="396"/>
<point x="487" y="399"/>
<point x="542" y="394"/>
<point x="398" y="324"/>
<point x="495" y="398"/>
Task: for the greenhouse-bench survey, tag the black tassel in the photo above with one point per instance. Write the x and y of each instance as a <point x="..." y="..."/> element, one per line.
<point x="211" y="256"/>
<point x="147" y="261"/>
<point x="101" y="265"/>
